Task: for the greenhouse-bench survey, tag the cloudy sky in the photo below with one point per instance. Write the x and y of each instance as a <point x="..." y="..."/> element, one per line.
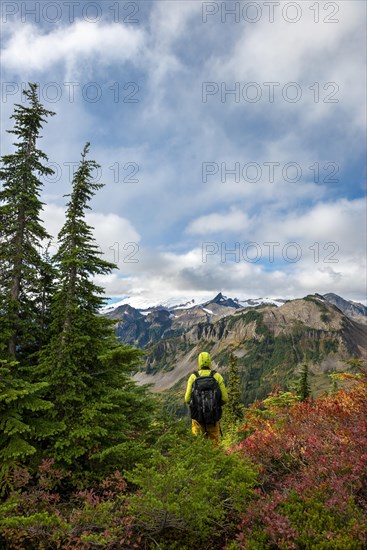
<point x="230" y="135"/>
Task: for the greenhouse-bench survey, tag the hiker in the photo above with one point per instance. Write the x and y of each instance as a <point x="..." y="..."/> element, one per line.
<point x="206" y="393"/>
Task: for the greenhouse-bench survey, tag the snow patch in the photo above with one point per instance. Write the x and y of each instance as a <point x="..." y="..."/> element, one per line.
<point x="254" y="302"/>
<point x="144" y="305"/>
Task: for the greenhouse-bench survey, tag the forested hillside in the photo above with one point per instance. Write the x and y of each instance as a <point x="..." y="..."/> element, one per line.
<point x="90" y="459"/>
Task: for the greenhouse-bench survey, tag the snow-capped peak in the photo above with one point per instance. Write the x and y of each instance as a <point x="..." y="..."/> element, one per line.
<point x="186" y="302"/>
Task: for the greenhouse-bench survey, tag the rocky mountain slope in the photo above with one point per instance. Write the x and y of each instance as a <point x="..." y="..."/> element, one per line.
<point x="144" y="327"/>
<point x="354" y="310"/>
<point x="271" y="342"/>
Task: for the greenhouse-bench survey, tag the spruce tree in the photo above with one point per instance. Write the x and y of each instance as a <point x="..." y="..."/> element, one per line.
<point x="234" y="407"/>
<point x="303" y="386"/>
<point x="21" y="232"/>
<point x="23" y="303"/>
<point x="21" y="424"/>
<point x="233" y="411"/>
<point x="88" y="371"/>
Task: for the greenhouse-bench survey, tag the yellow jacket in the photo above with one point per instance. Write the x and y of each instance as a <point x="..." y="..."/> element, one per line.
<point x="206" y="372"/>
<point x="204" y="362"/>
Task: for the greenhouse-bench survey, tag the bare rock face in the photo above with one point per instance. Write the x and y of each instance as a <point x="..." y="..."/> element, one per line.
<point x="353" y="310"/>
<point x="312" y="311"/>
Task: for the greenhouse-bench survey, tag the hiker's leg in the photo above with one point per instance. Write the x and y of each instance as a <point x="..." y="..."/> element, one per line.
<point x="196" y="427"/>
<point x="213" y="433"/>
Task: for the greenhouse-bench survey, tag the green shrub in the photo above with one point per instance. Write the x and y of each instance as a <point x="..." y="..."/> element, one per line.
<point x="34" y="518"/>
<point x="304" y="522"/>
<point x="189" y="488"/>
<point x="321" y="525"/>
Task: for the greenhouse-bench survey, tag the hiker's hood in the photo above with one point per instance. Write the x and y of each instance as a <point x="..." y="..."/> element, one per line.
<point x="204" y="360"/>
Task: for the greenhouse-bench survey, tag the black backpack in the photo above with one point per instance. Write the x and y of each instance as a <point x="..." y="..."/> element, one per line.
<point x="206" y="399"/>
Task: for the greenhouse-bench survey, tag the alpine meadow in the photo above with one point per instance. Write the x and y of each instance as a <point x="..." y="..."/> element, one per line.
<point x="94" y="457"/>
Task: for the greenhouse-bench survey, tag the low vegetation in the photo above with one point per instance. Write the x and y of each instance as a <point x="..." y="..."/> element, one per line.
<point x="295" y="479"/>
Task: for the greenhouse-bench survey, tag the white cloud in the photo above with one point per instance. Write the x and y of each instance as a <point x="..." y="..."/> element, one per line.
<point x="325" y="60"/>
<point x="112" y="233"/>
<point x="329" y="237"/>
<point x="169" y="21"/>
<point x="53" y="217"/>
<point x="28" y="49"/>
<point x="172" y="132"/>
<point x="180" y="277"/>
<point x="341" y="222"/>
<point x="112" y="230"/>
<point x="234" y="221"/>
<point x="286" y="52"/>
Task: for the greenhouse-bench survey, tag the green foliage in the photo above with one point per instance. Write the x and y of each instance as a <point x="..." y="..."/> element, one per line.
<point x="234" y="407"/>
<point x="22" y="420"/>
<point x="21" y="234"/>
<point x="334" y="384"/>
<point x="306" y="522"/>
<point x="106" y="422"/>
<point x="87" y="371"/>
<point x="273" y="359"/>
<point x="233" y="411"/>
<point x="187" y="495"/>
<point x="172" y="400"/>
<point x="303" y="387"/>
<point x="34" y="518"/>
<point x="253" y="315"/>
<point x="356" y="365"/>
<point x="325" y="318"/>
<point x="323" y="526"/>
<point x="189" y="490"/>
<point x="79" y="403"/>
<point x="280" y="400"/>
<point x="322" y="306"/>
<point x="330" y="346"/>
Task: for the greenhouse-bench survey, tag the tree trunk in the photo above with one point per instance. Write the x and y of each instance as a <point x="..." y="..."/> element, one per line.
<point x="15" y="286"/>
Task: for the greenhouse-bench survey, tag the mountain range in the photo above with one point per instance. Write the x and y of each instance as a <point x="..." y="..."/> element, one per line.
<point x="270" y="337"/>
<point x="181" y="302"/>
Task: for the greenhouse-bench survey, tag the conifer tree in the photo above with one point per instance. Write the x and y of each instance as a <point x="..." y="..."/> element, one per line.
<point x="23" y="304"/>
<point x="21" y="231"/>
<point x="334" y="386"/>
<point x="233" y="411"/>
<point x="88" y="371"/>
<point x="303" y="386"/>
<point x="21" y="422"/>
<point x="234" y="407"/>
